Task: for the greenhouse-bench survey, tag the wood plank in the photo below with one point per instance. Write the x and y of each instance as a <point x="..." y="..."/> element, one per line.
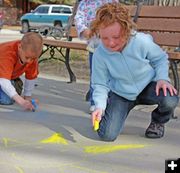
<point x="156" y="11"/>
<point x="161" y="11"/>
<point x="160" y="24"/>
<point x="174" y="55"/>
<point x="65" y="44"/>
<point x="166" y="39"/>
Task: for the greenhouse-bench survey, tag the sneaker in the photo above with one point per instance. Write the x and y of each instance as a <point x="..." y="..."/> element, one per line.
<point x="92" y="108"/>
<point x="88" y="96"/>
<point x="155" y="130"/>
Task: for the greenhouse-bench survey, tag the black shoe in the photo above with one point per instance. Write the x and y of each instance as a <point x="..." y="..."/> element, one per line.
<point x="155" y="130"/>
<point x="18" y="85"/>
<point x="88" y="96"/>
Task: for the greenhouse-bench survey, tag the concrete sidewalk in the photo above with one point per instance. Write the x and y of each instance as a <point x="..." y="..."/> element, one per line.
<point x="58" y="137"/>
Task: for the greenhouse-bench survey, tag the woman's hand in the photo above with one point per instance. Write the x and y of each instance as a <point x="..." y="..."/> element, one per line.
<point x="96" y="115"/>
<point x="86" y="34"/>
<point x="165" y="85"/>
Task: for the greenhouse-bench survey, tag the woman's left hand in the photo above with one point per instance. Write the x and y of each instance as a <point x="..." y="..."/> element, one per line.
<point x="165" y="85"/>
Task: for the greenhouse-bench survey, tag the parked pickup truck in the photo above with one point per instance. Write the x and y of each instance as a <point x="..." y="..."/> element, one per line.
<point x="43" y="15"/>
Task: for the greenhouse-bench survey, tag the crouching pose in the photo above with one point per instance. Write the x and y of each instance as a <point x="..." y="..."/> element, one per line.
<point x="128" y="69"/>
<point x="16" y="58"/>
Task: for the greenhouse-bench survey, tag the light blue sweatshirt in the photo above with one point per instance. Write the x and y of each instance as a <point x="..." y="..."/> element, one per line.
<point x="128" y="72"/>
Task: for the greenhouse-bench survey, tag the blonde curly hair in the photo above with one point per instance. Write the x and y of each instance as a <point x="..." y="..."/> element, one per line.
<point x="111" y="13"/>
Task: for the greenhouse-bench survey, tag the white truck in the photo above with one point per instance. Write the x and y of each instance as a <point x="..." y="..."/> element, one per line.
<point x="46" y="15"/>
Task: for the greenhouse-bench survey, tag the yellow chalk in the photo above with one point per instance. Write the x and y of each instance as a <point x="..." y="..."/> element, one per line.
<point x="111" y="148"/>
<point x="96" y="125"/>
<point x="55" y="138"/>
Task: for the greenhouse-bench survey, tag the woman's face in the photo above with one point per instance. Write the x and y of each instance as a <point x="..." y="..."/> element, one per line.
<point x="112" y="37"/>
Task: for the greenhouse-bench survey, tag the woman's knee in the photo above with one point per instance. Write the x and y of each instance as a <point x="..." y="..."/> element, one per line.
<point x="107" y="137"/>
<point x="170" y="102"/>
<point x="109" y="134"/>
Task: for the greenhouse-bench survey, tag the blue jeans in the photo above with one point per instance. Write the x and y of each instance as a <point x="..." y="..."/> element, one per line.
<point x="118" y="108"/>
<point x="90" y="86"/>
<point x="4" y="98"/>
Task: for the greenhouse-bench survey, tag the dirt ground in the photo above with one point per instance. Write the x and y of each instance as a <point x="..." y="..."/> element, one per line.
<point x="80" y="67"/>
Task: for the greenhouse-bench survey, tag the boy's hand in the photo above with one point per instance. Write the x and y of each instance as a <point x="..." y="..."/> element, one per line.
<point x="27" y="98"/>
<point x="25" y="103"/>
<point x="30" y="99"/>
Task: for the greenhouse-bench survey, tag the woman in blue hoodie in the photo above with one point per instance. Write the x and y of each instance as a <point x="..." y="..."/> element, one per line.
<point x="128" y="69"/>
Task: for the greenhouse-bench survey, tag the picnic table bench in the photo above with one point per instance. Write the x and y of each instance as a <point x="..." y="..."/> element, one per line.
<point x="63" y="47"/>
<point x="162" y="22"/>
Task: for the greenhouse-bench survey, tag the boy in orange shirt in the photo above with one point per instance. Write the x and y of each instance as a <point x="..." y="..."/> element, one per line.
<point x="16" y="58"/>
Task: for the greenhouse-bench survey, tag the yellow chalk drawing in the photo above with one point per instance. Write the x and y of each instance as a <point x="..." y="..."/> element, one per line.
<point x="5" y="141"/>
<point x="10" y="142"/>
<point x="56" y="138"/>
<point x="110" y="148"/>
<point x="20" y="170"/>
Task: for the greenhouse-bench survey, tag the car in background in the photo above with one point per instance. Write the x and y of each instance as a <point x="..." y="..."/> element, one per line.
<point x="1" y="20"/>
<point x="46" y="15"/>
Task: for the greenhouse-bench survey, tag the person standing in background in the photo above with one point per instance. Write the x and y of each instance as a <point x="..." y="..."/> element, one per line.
<point x="84" y="16"/>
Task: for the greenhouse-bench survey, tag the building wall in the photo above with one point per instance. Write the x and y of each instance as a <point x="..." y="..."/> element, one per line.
<point x="12" y="10"/>
<point x="9" y="15"/>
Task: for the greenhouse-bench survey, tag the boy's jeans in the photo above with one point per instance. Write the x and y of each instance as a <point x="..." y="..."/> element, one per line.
<point x="118" y="108"/>
<point x="4" y="98"/>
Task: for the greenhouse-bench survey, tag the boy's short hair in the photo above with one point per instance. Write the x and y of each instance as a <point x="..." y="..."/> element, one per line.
<point x="32" y="41"/>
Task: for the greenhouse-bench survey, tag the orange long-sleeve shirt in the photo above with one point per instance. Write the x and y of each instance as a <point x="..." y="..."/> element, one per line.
<point x="10" y="66"/>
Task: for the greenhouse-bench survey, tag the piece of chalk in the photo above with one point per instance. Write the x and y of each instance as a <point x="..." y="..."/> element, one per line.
<point x="96" y="125"/>
<point x="34" y="104"/>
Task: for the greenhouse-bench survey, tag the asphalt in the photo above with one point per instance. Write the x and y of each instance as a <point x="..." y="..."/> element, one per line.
<point x="58" y="136"/>
<point x="10" y="34"/>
